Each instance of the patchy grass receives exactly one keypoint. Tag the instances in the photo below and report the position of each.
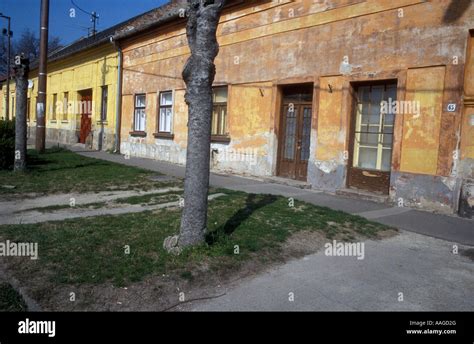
(150, 199)
(52, 208)
(246, 232)
(10, 299)
(144, 200)
(63, 171)
(93, 250)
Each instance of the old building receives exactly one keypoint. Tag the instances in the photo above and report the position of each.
(367, 97)
(81, 93)
(82, 90)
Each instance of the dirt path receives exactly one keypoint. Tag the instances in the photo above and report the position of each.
(22, 204)
(35, 216)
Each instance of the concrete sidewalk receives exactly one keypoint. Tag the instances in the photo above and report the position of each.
(450, 228)
(409, 272)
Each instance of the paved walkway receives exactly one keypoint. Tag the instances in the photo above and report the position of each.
(406, 272)
(35, 216)
(451, 228)
(409, 272)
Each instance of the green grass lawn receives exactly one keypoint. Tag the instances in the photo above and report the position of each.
(62, 171)
(92, 250)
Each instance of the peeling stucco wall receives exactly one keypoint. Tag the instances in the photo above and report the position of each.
(424, 191)
(326, 43)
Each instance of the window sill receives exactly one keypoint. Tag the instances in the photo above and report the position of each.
(53, 121)
(168, 136)
(220, 138)
(65, 121)
(138, 133)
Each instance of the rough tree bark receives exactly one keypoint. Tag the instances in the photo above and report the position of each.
(198, 74)
(21, 76)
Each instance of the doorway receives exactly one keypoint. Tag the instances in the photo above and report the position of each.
(86, 115)
(295, 131)
(372, 137)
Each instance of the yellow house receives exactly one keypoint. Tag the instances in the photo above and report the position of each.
(360, 98)
(82, 91)
(84, 79)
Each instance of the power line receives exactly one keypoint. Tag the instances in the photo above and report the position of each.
(80, 9)
(94, 17)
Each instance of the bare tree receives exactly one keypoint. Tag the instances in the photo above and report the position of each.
(198, 74)
(29, 44)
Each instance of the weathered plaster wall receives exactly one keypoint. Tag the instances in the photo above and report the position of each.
(327, 170)
(250, 128)
(421, 131)
(330, 42)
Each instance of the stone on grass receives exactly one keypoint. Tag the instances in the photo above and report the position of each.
(171, 245)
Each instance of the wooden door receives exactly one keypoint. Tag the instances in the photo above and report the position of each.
(371, 138)
(86, 118)
(295, 139)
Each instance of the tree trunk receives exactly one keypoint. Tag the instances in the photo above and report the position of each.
(21, 76)
(198, 74)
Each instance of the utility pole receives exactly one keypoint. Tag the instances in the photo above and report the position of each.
(9, 34)
(41, 104)
(94, 19)
(22, 67)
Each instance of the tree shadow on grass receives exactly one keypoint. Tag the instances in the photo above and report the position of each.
(252, 203)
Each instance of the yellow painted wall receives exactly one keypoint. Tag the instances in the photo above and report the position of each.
(306, 41)
(331, 124)
(31, 96)
(90, 69)
(467, 133)
(420, 143)
(249, 115)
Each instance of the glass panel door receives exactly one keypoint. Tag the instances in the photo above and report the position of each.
(373, 135)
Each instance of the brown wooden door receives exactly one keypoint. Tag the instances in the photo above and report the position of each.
(86, 120)
(295, 140)
(371, 138)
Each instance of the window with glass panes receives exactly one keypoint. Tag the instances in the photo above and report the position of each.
(139, 118)
(374, 129)
(28, 109)
(165, 112)
(104, 100)
(54, 107)
(65, 105)
(219, 113)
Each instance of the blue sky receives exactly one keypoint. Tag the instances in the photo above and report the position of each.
(25, 14)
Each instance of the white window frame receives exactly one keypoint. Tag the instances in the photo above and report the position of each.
(139, 125)
(159, 129)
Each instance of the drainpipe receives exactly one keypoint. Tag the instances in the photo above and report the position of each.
(118, 100)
